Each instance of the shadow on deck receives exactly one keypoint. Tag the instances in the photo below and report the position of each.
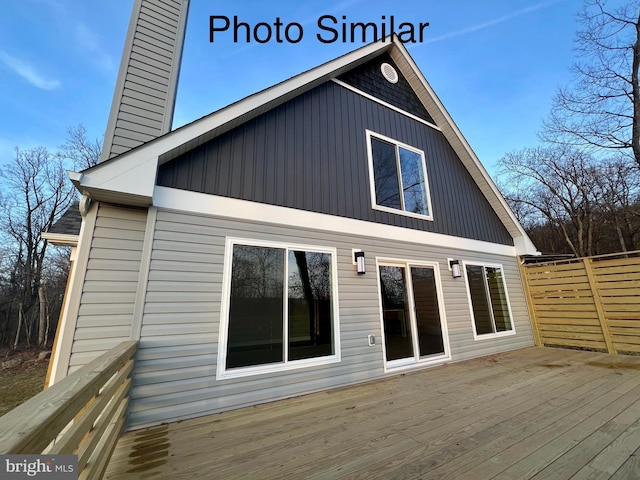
(533, 413)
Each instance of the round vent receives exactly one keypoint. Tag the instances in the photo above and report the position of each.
(389, 73)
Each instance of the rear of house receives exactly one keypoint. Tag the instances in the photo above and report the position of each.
(333, 229)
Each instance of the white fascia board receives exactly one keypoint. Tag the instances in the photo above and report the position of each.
(524, 246)
(224, 207)
(131, 178)
(454, 135)
(60, 239)
(132, 174)
(270, 97)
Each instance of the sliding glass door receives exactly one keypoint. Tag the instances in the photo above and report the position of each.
(411, 314)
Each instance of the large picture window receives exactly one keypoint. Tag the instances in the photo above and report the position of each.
(280, 307)
(489, 301)
(398, 177)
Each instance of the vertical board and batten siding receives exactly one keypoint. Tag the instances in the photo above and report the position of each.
(176, 361)
(310, 153)
(145, 93)
(368, 78)
(111, 282)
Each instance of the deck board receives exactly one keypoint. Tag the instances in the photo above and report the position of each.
(540, 413)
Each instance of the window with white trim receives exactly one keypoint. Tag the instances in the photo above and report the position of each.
(488, 299)
(398, 175)
(280, 307)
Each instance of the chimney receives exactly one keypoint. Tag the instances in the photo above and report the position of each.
(145, 93)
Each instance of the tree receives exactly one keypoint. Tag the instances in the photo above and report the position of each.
(564, 193)
(618, 185)
(601, 108)
(36, 191)
(81, 151)
(553, 185)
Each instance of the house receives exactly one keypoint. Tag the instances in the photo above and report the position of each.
(335, 228)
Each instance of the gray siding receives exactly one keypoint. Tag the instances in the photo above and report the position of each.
(369, 79)
(111, 282)
(143, 103)
(311, 154)
(176, 362)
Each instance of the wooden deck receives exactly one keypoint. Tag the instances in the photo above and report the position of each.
(538, 413)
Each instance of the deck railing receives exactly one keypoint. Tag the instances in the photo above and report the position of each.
(83, 414)
(591, 303)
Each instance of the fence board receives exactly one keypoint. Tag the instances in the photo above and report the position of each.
(586, 303)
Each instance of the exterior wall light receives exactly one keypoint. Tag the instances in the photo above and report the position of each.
(456, 268)
(358, 257)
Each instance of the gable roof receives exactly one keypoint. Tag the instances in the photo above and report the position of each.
(130, 178)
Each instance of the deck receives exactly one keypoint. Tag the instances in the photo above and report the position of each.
(538, 413)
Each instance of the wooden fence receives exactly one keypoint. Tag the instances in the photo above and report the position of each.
(83, 414)
(591, 303)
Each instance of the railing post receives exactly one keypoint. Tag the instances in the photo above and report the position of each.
(598, 304)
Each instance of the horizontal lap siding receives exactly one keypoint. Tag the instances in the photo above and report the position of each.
(176, 362)
(111, 281)
(147, 92)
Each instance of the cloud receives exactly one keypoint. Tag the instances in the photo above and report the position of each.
(491, 23)
(88, 40)
(28, 72)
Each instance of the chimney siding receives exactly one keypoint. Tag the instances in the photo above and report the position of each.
(145, 92)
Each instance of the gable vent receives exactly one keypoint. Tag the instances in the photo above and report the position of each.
(389, 73)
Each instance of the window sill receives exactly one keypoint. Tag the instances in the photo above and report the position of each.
(240, 372)
(489, 336)
(403, 213)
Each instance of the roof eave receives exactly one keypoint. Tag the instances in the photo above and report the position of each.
(60, 239)
(458, 142)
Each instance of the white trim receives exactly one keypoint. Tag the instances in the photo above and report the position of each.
(385, 104)
(415, 361)
(183, 139)
(176, 60)
(143, 275)
(461, 146)
(202, 203)
(372, 182)
(221, 371)
(487, 336)
(62, 239)
(69, 316)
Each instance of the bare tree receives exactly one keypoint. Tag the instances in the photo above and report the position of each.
(81, 151)
(601, 108)
(36, 192)
(618, 185)
(554, 185)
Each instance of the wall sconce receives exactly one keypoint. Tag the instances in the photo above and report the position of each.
(456, 268)
(358, 258)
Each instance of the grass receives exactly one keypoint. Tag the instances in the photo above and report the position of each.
(21, 382)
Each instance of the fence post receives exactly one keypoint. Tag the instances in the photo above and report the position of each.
(596, 300)
(537, 338)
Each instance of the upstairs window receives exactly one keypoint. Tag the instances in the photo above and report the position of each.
(398, 176)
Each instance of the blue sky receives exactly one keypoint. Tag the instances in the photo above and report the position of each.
(495, 64)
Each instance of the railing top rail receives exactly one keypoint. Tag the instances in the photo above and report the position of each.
(30, 427)
(631, 254)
